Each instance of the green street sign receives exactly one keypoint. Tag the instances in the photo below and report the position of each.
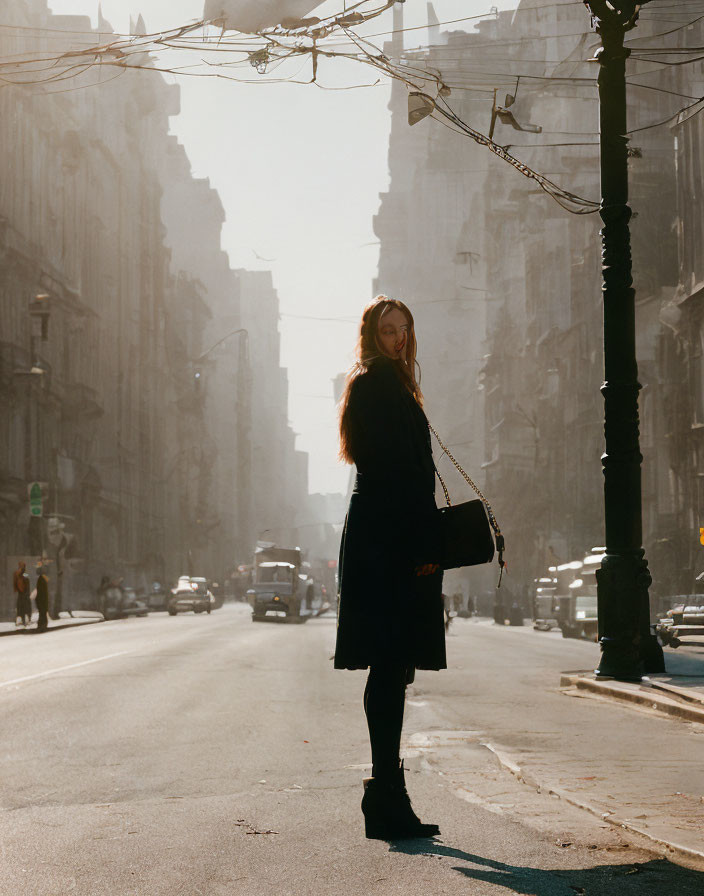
(35, 499)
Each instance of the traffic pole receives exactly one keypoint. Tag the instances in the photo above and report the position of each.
(628, 648)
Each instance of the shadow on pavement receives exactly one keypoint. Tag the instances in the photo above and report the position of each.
(652, 878)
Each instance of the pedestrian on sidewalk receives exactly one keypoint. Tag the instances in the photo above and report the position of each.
(449, 613)
(102, 594)
(20, 585)
(499, 612)
(42, 600)
(390, 617)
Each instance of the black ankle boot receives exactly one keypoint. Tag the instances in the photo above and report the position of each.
(388, 814)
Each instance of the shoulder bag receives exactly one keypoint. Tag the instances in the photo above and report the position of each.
(465, 530)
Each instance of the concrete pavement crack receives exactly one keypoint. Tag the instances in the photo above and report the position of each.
(667, 848)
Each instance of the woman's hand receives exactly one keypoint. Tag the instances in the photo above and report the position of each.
(427, 569)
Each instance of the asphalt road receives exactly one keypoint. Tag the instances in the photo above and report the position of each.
(210, 755)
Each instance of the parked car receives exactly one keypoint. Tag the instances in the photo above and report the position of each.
(120, 601)
(158, 597)
(577, 612)
(567, 597)
(684, 620)
(191, 593)
(578, 616)
(545, 605)
(218, 593)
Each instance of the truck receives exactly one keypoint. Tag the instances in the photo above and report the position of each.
(281, 591)
(565, 597)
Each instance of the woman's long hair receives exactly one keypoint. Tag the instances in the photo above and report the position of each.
(368, 350)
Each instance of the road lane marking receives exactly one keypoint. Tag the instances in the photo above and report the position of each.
(98, 659)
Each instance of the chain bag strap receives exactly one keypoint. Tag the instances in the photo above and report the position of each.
(490, 513)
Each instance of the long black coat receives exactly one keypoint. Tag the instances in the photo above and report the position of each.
(386, 612)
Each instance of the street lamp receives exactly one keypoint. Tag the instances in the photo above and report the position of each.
(420, 105)
(220, 341)
(197, 369)
(198, 379)
(628, 648)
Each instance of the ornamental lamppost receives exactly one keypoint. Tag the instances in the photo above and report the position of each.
(628, 647)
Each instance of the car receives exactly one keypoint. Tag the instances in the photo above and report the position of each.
(191, 593)
(545, 606)
(578, 606)
(566, 597)
(684, 620)
(121, 601)
(158, 597)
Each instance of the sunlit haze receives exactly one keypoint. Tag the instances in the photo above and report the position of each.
(299, 171)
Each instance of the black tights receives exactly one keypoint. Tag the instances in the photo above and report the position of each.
(384, 698)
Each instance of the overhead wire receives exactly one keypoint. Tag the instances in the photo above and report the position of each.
(674, 64)
(670, 118)
(279, 45)
(664, 33)
(541, 145)
(660, 5)
(101, 82)
(568, 200)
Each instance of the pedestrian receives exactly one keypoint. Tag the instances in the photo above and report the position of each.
(390, 617)
(20, 586)
(515, 614)
(470, 606)
(105, 584)
(447, 603)
(42, 600)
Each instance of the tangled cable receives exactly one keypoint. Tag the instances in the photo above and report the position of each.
(233, 55)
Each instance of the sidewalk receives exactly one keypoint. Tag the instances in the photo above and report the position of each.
(78, 617)
(599, 746)
(659, 797)
(675, 694)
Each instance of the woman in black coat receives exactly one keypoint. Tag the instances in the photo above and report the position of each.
(390, 608)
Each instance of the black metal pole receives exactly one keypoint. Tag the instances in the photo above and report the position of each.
(628, 647)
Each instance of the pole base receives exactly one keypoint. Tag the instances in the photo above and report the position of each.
(629, 648)
(620, 659)
(652, 655)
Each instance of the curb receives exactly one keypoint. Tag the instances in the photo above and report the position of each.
(75, 623)
(646, 695)
(667, 848)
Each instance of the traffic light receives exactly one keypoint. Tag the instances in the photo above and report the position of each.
(701, 535)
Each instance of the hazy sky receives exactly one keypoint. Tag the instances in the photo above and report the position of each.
(299, 171)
